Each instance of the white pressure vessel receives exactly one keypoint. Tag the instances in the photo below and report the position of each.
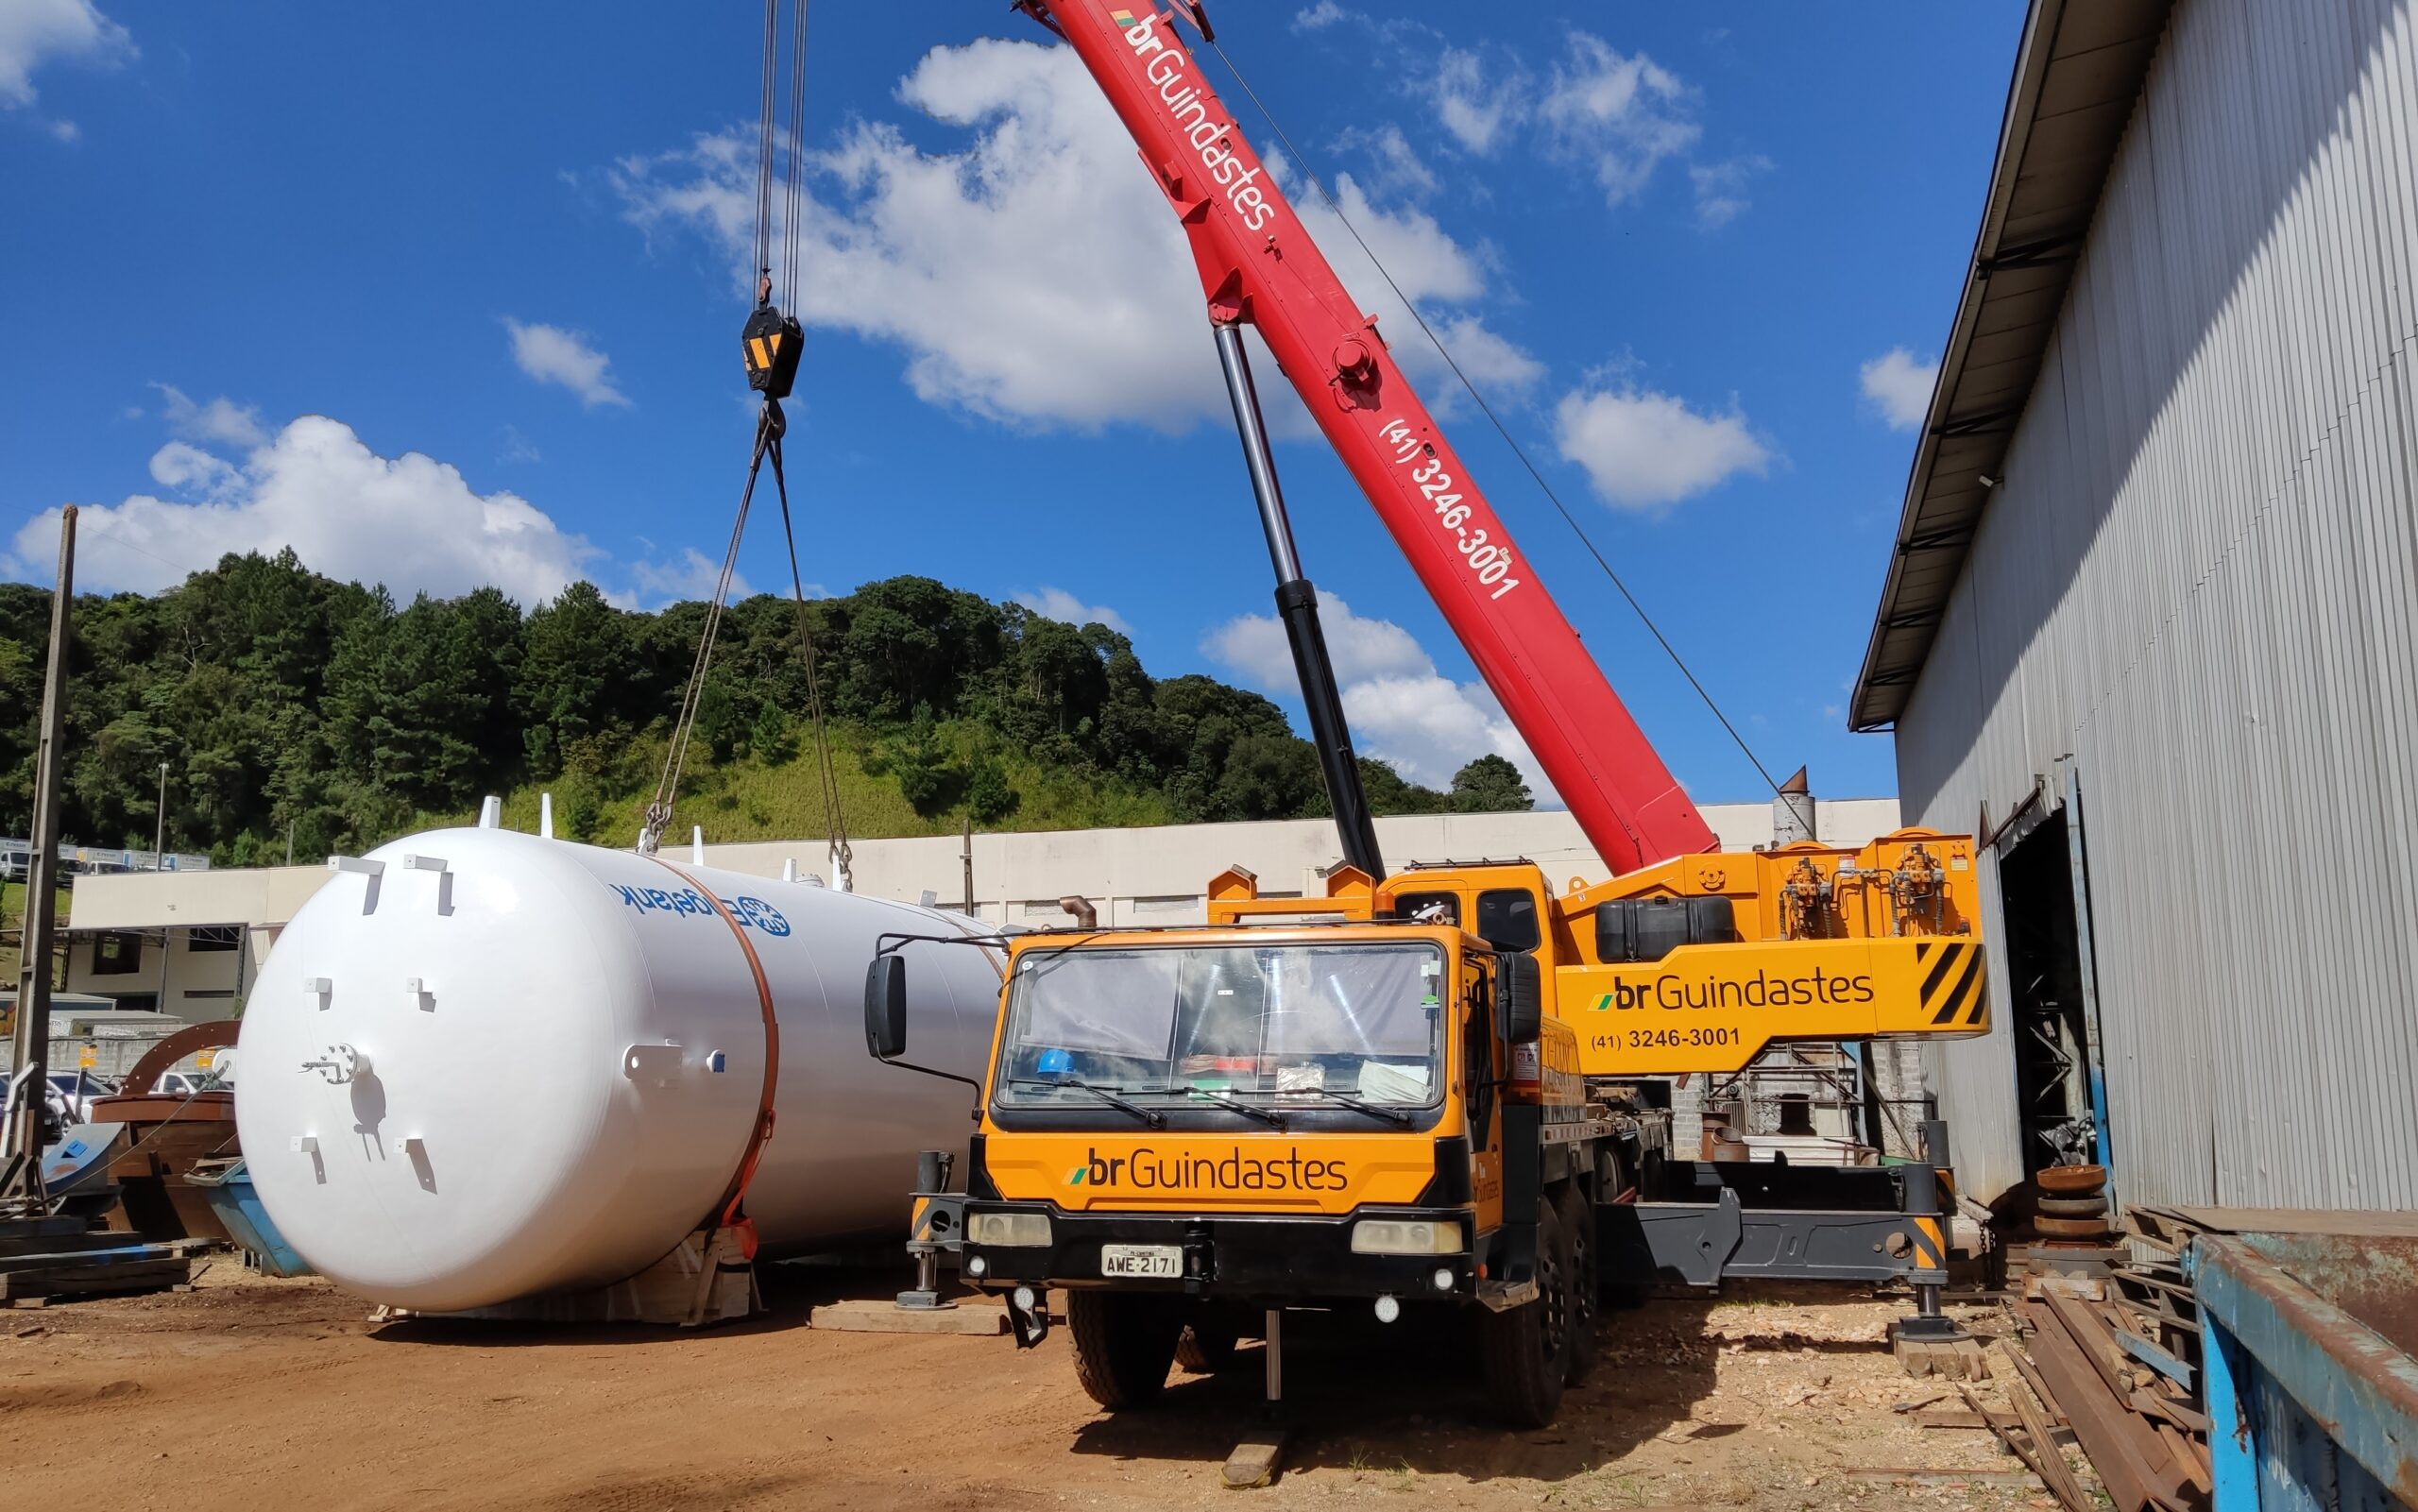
(481, 1065)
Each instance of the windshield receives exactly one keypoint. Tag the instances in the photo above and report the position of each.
(1291, 1021)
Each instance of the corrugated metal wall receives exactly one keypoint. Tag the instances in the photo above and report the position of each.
(2198, 578)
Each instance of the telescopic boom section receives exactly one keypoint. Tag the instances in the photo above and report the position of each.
(1258, 264)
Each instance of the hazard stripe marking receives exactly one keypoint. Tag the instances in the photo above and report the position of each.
(1939, 971)
(1957, 994)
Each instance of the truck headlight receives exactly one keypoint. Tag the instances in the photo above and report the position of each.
(1013, 1231)
(1405, 1236)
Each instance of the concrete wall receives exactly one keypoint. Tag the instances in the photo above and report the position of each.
(2198, 580)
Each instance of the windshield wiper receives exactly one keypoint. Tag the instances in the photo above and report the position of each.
(1393, 1115)
(1273, 1120)
(1149, 1116)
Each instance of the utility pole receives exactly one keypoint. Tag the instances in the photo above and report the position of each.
(21, 1188)
(160, 844)
(966, 855)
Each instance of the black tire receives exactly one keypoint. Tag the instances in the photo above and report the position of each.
(1124, 1344)
(2074, 1207)
(1579, 1238)
(1526, 1349)
(1206, 1346)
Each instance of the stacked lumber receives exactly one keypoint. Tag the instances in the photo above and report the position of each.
(2123, 1373)
(45, 1258)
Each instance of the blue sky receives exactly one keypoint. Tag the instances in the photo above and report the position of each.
(445, 294)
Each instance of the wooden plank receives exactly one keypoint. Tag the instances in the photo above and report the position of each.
(2131, 1461)
(1254, 1460)
(2027, 1451)
(2157, 1405)
(2018, 1478)
(120, 1253)
(2190, 1457)
(2095, 1341)
(93, 1280)
(2155, 1358)
(2172, 1288)
(2053, 1467)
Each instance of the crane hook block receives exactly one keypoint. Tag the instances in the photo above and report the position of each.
(774, 343)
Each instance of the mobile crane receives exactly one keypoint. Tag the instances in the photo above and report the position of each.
(1447, 1085)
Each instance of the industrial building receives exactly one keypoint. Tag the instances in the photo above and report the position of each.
(190, 942)
(2149, 620)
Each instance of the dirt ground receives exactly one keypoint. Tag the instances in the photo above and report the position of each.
(250, 1393)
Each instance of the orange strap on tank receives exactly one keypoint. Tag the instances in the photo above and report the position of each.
(737, 1193)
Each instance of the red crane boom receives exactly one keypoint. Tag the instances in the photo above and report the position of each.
(1258, 264)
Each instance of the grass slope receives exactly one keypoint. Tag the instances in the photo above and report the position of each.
(750, 799)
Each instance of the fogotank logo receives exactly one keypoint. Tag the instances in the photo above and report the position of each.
(1150, 1170)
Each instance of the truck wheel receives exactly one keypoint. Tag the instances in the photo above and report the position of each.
(1207, 1346)
(1578, 1232)
(1123, 1345)
(1526, 1349)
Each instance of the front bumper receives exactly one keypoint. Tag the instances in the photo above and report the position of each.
(1293, 1259)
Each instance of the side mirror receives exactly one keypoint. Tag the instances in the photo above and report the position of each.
(886, 1008)
(1519, 996)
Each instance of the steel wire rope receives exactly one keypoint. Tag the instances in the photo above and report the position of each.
(764, 149)
(1500, 429)
(675, 756)
(835, 821)
(771, 425)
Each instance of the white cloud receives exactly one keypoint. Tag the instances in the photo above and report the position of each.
(1470, 107)
(937, 252)
(410, 523)
(1721, 189)
(1433, 271)
(550, 355)
(64, 131)
(220, 420)
(1644, 450)
(1623, 112)
(190, 469)
(1057, 604)
(1323, 14)
(1400, 170)
(33, 32)
(1255, 645)
(1899, 387)
(1402, 710)
(692, 575)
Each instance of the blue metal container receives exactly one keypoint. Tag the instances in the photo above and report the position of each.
(228, 1184)
(2309, 1341)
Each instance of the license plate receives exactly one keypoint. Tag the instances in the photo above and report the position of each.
(1153, 1261)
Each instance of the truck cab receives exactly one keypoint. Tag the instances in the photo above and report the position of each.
(1186, 1130)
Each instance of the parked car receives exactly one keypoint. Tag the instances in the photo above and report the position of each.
(79, 1089)
(60, 1112)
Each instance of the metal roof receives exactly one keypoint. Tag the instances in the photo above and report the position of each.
(2078, 74)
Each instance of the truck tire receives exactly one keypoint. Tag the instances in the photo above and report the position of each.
(1124, 1344)
(1581, 1237)
(1207, 1346)
(1526, 1350)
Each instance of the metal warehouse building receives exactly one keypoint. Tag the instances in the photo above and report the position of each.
(2149, 622)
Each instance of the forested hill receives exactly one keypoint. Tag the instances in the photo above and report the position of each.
(289, 706)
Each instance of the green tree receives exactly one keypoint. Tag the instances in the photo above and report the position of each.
(575, 651)
(1490, 784)
(990, 797)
